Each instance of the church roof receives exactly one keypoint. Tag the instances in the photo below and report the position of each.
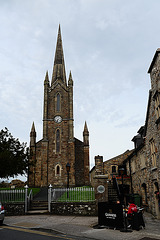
(59, 65)
(154, 59)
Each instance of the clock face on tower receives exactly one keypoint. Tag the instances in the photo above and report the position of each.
(58, 119)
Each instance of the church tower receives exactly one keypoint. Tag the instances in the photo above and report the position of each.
(86, 154)
(57, 148)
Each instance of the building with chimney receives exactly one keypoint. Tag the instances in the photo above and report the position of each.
(143, 165)
(50, 155)
(141, 176)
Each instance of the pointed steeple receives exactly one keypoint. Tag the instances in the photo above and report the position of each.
(59, 65)
(86, 135)
(70, 81)
(85, 128)
(46, 78)
(33, 128)
(32, 135)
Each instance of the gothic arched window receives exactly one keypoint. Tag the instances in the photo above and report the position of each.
(58, 102)
(57, 170)
(58, 141)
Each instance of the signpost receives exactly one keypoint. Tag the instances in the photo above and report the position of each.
(110, 215)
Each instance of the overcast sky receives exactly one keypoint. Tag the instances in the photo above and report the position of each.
(108, 46)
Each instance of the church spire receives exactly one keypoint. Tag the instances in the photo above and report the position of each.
(70, 81)
(59, 65)
(86, 135)
(33, 128)
(85, 127)
(46, 78)
(32, 135)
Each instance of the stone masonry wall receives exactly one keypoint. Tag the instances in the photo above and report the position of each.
(145, 172)
(153, 134)
(14, 209)
(101, 180)
(73, 208)
(86, 165)
(105, 168)
(79, 163)
(116, 161)
(99, 165)
(140, 176)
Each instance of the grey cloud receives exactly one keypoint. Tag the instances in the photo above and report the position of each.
(108, 46)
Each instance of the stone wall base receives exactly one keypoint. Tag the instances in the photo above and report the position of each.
(73, 208)
(14, 209)
(62, 208)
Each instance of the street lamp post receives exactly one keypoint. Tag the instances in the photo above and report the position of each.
(68, 170)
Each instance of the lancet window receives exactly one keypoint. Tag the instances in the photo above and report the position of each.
(58, 139)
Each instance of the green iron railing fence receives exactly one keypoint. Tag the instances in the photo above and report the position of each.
(16, 195)
(77, 194)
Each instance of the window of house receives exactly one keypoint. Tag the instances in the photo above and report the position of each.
(58, 102)
(133, 166)
(144, 193)
(153, 152)
(127, 168)
(156, 192)
(57, 141)
(142, 161)
(113, 169)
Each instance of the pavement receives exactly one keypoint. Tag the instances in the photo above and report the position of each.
(83, 227)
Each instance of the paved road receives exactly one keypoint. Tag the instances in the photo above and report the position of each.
(14, 233)
(82, 227)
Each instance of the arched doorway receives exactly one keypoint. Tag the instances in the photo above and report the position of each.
(157, 199)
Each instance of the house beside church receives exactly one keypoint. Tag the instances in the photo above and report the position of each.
(58, 146)
(142, 164)
(108, 168)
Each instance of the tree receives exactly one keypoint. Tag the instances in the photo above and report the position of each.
(13, 155)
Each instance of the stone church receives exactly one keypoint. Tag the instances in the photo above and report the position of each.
(50, 155)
